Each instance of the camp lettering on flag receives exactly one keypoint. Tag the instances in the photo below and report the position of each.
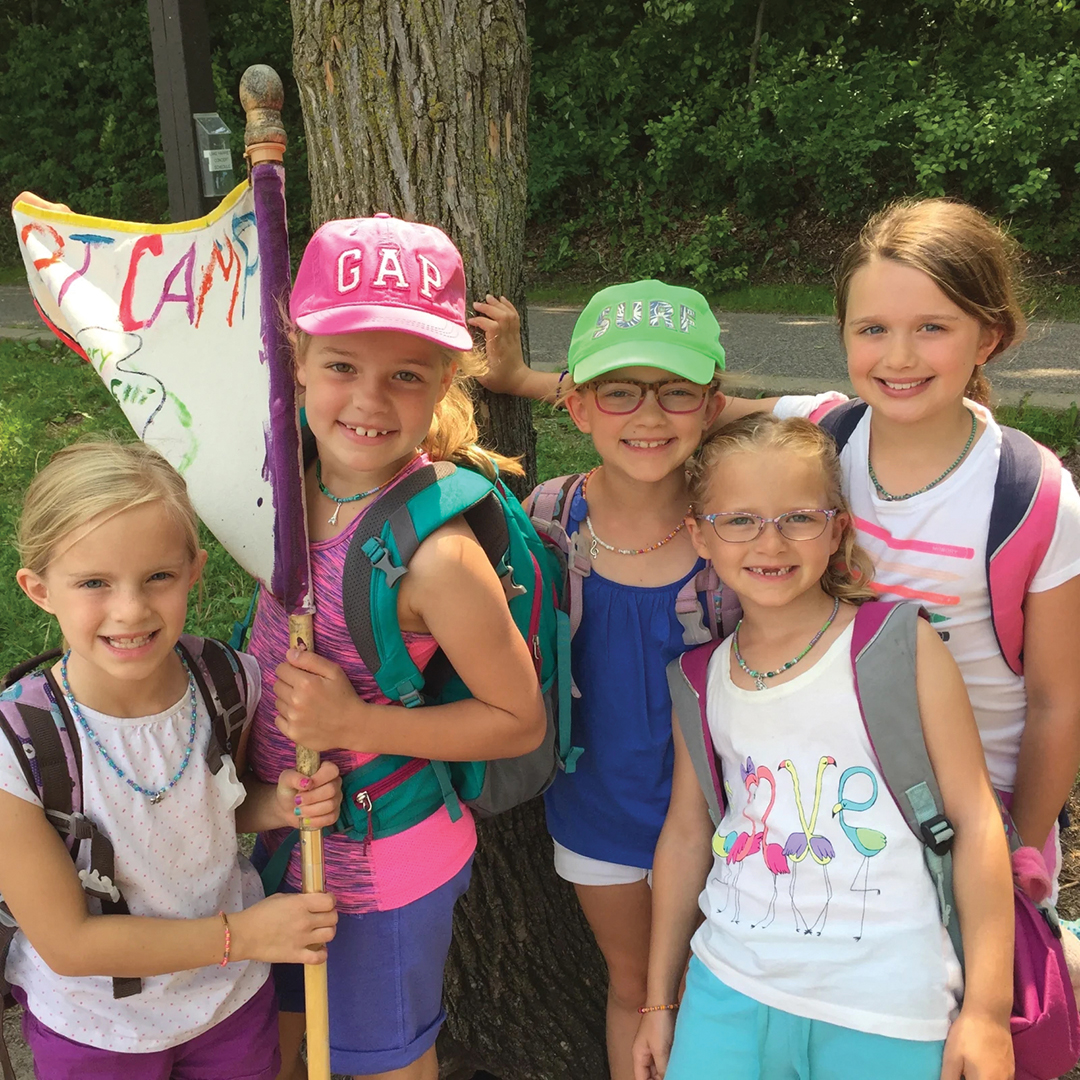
(169, 317)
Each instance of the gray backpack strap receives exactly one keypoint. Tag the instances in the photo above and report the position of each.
(62, 803)
(687, 676)
(883, 649)
(222, 684)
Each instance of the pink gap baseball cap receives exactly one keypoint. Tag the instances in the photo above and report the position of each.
(382, 273)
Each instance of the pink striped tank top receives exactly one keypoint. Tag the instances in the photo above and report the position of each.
(397, 869)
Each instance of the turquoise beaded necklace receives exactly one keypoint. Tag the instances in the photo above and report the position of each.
(883, 494)
(338, 499)
(155, 796)
(759, 677)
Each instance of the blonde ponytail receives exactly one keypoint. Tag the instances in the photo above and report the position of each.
(453, 433)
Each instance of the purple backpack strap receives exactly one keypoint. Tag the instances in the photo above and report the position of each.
(46, 745)
(43, 734)
(687, 677)
(1022, 521)
(549, 509)
(550, 500)
(718, 617)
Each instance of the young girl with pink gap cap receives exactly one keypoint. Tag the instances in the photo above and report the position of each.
(381, 348)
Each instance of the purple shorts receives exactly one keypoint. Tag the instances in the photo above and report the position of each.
(385, 975)
(244, 1046)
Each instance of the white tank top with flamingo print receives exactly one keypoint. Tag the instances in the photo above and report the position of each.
(818, 901)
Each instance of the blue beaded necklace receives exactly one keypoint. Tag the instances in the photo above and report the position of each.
(154, 796)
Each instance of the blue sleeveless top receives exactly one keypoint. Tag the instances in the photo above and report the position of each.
(612, 808)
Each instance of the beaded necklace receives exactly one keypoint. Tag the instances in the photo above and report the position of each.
(882, 493)
(155, 796)
(341, 502)
(759, 677)
(597, 543)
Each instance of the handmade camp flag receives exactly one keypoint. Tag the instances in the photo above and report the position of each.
(170, 318)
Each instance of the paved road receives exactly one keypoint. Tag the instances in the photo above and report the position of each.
(797, 353)
(802, 353)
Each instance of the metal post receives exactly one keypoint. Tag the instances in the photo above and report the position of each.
(180, 39)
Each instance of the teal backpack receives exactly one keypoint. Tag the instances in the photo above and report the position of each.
(392, 793)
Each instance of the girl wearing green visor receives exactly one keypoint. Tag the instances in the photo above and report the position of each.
(643, 383)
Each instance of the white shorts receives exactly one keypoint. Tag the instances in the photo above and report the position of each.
(581, 870)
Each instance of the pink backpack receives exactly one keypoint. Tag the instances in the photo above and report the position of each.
(1022, 519)
(1045, 1025)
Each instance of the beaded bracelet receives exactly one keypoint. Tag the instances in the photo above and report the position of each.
(655, 1008)
(228, 940)
(558, 386)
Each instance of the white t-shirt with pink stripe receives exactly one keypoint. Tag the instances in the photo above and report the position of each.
(932, 548)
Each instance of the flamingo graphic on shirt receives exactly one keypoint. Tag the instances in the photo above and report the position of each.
(746, 844)
(808, 842)
(867, 842)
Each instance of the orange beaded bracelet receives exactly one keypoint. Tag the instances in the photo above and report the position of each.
(228, 940)
(655, 1008)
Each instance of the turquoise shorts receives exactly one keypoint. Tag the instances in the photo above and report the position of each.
(724, 1034)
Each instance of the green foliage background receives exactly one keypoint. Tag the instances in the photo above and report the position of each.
(653, 150)
(78, 107)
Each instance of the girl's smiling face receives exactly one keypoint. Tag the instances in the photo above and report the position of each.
(649, 443)
(911, 351)
(369, 399)
(118, 587)
(770, 570)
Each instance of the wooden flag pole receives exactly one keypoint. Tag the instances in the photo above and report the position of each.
(262, 96)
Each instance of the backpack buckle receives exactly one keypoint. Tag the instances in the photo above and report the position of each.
(510, 587)
(99, 885)
(75, 825)
(937, 834)
(239, 710)
(375, 547)
(408, 695)
(579, 560)
(688, 612)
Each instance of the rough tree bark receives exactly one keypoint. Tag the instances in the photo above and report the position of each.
(418, 107)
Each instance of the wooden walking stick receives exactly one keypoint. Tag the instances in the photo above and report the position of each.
(182, 322)
(262, 96)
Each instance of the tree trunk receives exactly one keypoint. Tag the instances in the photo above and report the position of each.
(756, 46)
(525, 984)
(418, 107)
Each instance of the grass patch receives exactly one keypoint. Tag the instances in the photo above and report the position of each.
(1057, 428)
(48, 399)
(778, 299)
(15, 274)
(560, 448)
(1053, 301)
(563, 294)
